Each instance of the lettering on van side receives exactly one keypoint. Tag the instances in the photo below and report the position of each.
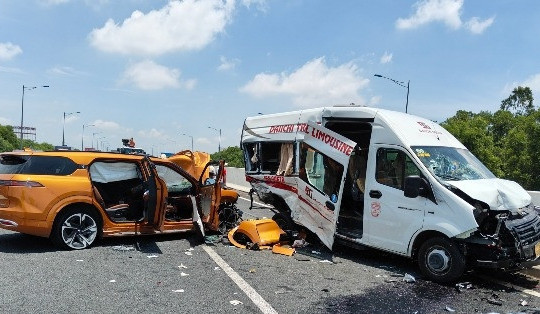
(286, 128)
(279, 179)
(426, 128)
(332, 141)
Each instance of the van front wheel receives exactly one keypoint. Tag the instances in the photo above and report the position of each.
(440, 260)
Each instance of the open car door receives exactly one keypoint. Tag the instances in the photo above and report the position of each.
(154, 195)
(324, 158)
(210, 195)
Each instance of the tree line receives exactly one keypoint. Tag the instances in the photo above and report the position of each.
(10, 142)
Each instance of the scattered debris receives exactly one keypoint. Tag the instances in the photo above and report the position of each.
(326, 261)
(463, 286)
(523, 303)
(213, 239)
(188, 253)
(300, 243)
(235, 302)
(182, 266)
(252, 270)
(449, 309)
(284, 289)
(182, 274)
(217, 268)
(409, 278)
(316, 252)
(279, 249)
(390, 280)
(152, 256)
(495, 300)
(178, 291)
(79, 260)
(325, 290)
(112, 280)
(123, 248)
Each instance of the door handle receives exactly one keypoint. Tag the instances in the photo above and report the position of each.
(330, 205)
(375, 194)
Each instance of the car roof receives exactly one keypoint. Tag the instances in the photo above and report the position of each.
(80, 157)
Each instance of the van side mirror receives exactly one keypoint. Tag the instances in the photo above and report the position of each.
(415, 186)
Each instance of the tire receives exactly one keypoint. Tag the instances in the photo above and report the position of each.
(284, 221)
(440, 260)
(76, 229)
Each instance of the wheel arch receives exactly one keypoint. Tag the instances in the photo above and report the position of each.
(421, 238)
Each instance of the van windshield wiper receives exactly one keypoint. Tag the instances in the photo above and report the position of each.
(448, 177)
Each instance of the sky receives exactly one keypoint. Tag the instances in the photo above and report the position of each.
(169, 72)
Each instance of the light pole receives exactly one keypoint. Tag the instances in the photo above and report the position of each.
(22, 107)
(100, 141)
(191, 140)
(64, 125)
(218, 130)
(400, 84)
(82, 137)
(94, 134)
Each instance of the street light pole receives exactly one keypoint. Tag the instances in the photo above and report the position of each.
(191, 140)
(400, 84)
(219, 144)
(82, 136)
(64, 126)
(94, 134)
(22, 107)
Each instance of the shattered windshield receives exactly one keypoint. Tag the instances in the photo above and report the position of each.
(452, 164)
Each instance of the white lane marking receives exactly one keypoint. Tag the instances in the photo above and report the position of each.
(260, 204)
(509, 285)
(264, 306)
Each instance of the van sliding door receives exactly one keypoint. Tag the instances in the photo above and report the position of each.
(324, 157)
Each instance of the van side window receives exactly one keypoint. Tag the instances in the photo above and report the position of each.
(320, 171)
(393, 166)
(251, 156)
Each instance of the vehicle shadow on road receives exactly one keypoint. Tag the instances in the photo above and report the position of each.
(19, 243)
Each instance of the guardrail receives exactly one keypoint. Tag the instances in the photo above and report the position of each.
(236, 179)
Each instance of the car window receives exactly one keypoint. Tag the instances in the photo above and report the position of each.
(175, 181)
(320, 171)
(38, 165)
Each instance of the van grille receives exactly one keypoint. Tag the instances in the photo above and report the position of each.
(529, 231)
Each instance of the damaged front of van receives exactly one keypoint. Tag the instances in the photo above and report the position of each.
(508, 232)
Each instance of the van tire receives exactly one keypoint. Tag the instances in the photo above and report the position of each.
(76, 228)
(284, 221)
(440, 260)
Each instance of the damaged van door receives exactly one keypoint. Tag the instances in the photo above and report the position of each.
(320, 181)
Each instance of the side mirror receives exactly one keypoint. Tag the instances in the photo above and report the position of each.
(415, 186)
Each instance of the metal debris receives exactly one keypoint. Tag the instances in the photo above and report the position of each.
(449, 309)
(463, 286)
(178, 291)
(409, 278)
(235, 302)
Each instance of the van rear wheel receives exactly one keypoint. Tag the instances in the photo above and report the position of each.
(76, 229)
(440, 260)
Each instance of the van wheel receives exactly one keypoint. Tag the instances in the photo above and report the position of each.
(440, 260)
(284, 221)
(76, 229)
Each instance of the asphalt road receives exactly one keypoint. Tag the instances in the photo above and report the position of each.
(154, 274)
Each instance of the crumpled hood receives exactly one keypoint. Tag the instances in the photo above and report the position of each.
(499, 194)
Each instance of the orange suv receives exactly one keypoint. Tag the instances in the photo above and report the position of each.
(75, 198)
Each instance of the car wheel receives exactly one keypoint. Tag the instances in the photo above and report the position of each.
(76, 229)
(440, 260)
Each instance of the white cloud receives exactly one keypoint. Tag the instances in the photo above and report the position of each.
(533, 82)
(444, 11)
(148, 75)
(203, 140)
(476, 26)
(261, 5)
(106, 125)
(386, 58)
(152, 133)
(178, 26)
(374, 101)
(10, 70)
(9, 50)
(227, 64)
(313, 84)
(64, 71)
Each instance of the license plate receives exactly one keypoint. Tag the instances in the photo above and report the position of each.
(537, 249)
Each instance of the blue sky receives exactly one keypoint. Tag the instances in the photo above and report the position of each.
(154, 70)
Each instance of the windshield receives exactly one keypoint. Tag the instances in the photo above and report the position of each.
(452, 164)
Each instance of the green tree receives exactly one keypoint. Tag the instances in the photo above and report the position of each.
(232, 155)
(8, 139)
(520, 101)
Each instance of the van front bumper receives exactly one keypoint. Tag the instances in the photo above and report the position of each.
(505, 258)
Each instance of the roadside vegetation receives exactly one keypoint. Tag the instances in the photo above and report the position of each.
(9, 141)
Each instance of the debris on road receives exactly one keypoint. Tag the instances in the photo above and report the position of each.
(123, 248)
(178, 291)
(152, 256)
(523, 303)
(235, 302)
(182, 266)
(182, 274)
(495, 300)
(449, 309)
(463, 286)
(409, 278)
